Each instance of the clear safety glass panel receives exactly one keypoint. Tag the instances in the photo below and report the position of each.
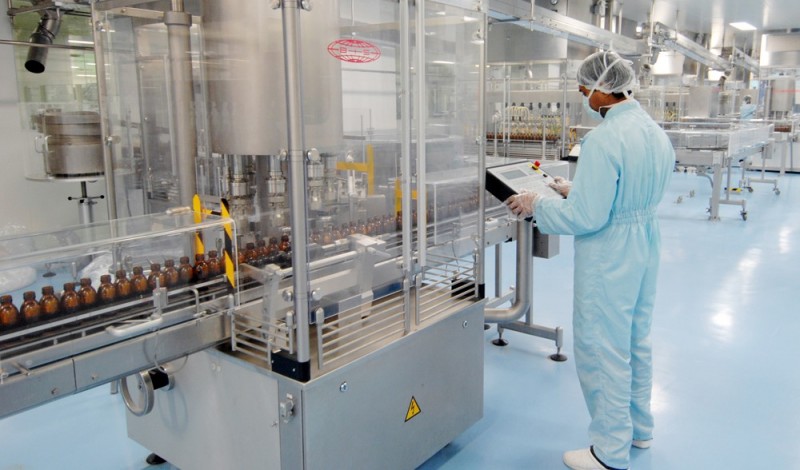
(529, 112)
(146, 114)
(58, 94)
(134, 255)
(652, 100)
(453, 48)
(448, 172)
(351, 88)
(675, 103)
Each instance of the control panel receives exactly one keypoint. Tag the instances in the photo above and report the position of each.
(504, 181)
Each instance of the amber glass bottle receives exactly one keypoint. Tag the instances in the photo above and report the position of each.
(106, 292)
(138, 281)
(201, 270)
(171, 273)
(185, 271)
(87, 294)
(285, 244)
(49, 303)
(261, 254)
(70, 302)
(251, 254)
(241, 255)
(273, 246)
(327, 236)
(156, 278)
(9, 315)
(123, 285)
(30, 310)
(215, 264)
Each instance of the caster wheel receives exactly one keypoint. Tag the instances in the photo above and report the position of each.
(750, 189)
(680, 200)
(744, 215)
(777, 192)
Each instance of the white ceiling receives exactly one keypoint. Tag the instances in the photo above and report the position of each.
(708, 16)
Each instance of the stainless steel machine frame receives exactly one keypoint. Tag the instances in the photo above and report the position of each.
(714, 147)
(349, 318)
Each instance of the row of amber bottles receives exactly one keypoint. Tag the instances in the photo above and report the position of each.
(262, 252)
(74, 299)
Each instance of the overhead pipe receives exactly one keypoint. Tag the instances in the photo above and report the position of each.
(45, 33)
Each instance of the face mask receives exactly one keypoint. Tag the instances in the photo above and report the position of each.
(589, 111)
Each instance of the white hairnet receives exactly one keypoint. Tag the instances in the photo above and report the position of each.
(607, 72)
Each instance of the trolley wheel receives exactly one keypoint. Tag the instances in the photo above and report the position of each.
(744, 215)
(750, 189)
(777, 191)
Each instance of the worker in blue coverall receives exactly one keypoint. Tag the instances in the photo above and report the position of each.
(748, 110)
(624, 167)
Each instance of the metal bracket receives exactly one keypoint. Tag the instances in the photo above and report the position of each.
(286, 408)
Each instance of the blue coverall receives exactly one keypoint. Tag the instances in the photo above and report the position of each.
(623, 170)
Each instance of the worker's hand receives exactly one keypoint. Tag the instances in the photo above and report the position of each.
(523, 204)
(561, 185)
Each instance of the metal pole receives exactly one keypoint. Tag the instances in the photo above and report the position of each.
(422, 122)
(564, 117)
(105, 125)
(85, 204)
(480, 268)
(297, 172)
(178, 23)
(49, 46)
(405, 157)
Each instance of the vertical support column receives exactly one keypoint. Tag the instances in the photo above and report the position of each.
(102, 101)
(178, 23)
(405, 158)
(480, 275)
(564, 116)
(422, 123)
(297, 173)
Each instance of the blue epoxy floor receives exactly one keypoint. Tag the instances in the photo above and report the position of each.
(726, 394)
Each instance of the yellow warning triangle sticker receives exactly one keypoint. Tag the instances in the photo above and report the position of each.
(413, 409)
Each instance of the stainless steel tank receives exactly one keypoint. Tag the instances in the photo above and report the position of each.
(782, 95)
(243, 46)
(74, 144)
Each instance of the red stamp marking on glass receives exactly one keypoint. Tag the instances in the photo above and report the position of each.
(354, 50)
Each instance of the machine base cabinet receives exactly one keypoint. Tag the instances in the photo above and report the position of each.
(393, 408)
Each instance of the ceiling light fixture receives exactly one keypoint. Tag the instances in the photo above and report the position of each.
(743, 26)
